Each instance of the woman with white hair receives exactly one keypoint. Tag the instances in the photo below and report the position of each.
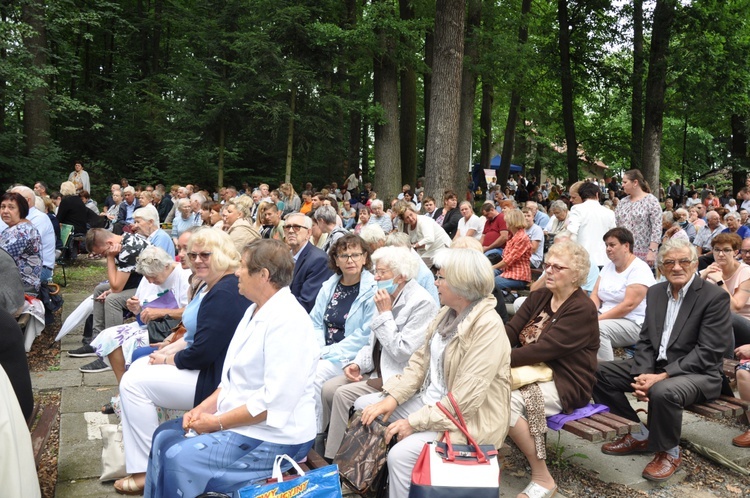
(146, 223)
(427, 237)
(559, 219)
(465, 354)
(403, 311)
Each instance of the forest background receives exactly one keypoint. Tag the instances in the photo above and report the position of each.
(222, 92)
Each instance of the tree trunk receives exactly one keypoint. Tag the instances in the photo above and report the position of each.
(485, 122)
(509, 139)
(636, 107)
(468, 90)
(365, 147)
(429, 44)
(387, 139)
(222, 141)
(290, 136)
(445, 103)
(739, 152)
(656, 87)
(566, 80)
(408, 125)
(355, 128)
(36, 124)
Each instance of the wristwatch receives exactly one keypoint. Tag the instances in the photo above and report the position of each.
(719, 283)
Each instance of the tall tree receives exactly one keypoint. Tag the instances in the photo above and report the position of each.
(36, 123)
(408, 124)
(656, 87)
(566, 84)
(441, 154)
(469, 77)
(636, 107)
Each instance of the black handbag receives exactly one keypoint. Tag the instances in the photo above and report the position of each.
(362, 455)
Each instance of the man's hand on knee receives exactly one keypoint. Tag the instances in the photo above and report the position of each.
(643, 383)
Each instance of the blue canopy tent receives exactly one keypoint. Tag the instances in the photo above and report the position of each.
(477, 171)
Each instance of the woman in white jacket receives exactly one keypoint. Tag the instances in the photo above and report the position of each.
(404, 309)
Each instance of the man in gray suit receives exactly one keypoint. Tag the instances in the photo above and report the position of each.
(677, 363)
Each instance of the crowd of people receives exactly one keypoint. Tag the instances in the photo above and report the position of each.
(266, 315)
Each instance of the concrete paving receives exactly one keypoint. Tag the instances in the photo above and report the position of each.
(79, 462)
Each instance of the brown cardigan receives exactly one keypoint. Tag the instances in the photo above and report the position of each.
(568, 344)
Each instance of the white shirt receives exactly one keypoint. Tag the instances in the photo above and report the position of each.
(612, 287)
(474, 222)
(588, 222)
(177, 282)
(673, 309)
(270, 366)
(536, 233)
(43, 225)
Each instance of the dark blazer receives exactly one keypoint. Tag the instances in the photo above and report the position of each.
(164, 207)
(13, 360)
(450, 222)
(73, 211)
(701, 334)
(220, 311)
(310, 271)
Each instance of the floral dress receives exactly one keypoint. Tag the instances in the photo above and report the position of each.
(337, 311)
(23, 242)
(643, 219)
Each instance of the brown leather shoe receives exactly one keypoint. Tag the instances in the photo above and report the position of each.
(743, 440)
(662, 467)
(626, 445)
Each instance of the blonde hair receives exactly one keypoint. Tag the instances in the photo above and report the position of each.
(575, 256)
(467, 272)
(67, 188)
(224, 255)
(514, 218)
(466, 243)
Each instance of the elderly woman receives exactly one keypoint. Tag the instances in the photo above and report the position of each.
(733, 276)
(363, 220)
(681, 218)
(263, 406)
(640, 213)
(620, 294)
(21, 240)
(146, 224)
(559, 219)
(182, 379)
(426, 236)
(146, 200)
(694, 218)
(514, 271)
(555, 325)
(732, 221)
(162, 274)
(72, 210)
(184, 219)
(404, 309)
(236, 218)
(465, 353)
(342, 312)
(469, 225)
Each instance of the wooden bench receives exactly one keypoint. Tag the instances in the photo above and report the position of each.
(601, 427)
(40, 423)
(313, 461)
(724, 407)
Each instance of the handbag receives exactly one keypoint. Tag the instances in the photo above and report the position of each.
(450, 470)
(319, 483)
(528, 374)
(362, 455)
(113, 453)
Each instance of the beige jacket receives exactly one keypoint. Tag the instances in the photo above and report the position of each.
(242, 233)
(477, 372)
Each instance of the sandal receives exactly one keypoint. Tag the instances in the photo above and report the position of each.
(128, 487)
(534, 490)
(108, 409)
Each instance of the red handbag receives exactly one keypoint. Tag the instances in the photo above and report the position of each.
(450, 470)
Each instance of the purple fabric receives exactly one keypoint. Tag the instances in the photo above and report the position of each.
(556, 422)
(165, 300)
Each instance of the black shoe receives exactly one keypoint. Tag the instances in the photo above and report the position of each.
(95, 366)
(82, 352)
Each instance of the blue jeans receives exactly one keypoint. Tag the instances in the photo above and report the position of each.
(221, 461)
(509, 283)
(497, 251)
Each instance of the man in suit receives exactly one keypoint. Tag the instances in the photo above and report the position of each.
(310, 263)
(677, 362)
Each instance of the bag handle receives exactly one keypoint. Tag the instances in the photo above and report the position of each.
(462, 426)
(277, 475)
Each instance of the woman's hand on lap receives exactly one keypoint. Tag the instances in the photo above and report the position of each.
(400, 429)
(384, 408)
(352, 373)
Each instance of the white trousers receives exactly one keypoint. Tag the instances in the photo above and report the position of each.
(552, 403)
(616, 333)
(142, 389)
(326, 371)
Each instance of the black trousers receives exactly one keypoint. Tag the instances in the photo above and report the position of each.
(667, 400)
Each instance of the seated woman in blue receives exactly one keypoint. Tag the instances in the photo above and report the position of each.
(343, 311)
(264, 405)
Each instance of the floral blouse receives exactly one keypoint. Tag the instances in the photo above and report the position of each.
(337, 311)
(643, 219)
(24, 244)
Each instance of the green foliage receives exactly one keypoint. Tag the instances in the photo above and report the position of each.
(557, 457)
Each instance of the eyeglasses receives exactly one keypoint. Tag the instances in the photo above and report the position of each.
(552, 269)
(294, 228)
(728, 250)
(203, 255)
(355, 256)
(670, 263)
(744, 251)
(383, 273)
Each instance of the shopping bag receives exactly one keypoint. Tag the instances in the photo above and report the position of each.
(445, 470)
(318, 483)
(362, 454)
(77, 317)
(113, 453)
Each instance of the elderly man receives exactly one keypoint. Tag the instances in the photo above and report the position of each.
(163, 204)
(677, 362)
(589, 221)
(40, 189)
(380, 217)
(310, 263)
(745, 251)
(196, 202)
(181, 193)
(146, 224)
(256, 197)
(495, 232)
(706, 234)
(127, 208)
(540, 218)
(43, 225)
(325, 217)
(110, 297)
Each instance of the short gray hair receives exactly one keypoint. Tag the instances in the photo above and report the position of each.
(467, 272)
(732, 214)
(372, 233)
(152, 261)
(127, 190)
(558, 206)
(243, 204)
(398, 260)
(376, 203)
(198, 197)
(575, 256)
(306, 220)
(674, 244)
(326, 214)
(147, 215)
(398, 239)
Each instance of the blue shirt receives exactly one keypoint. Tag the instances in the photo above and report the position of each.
(541, 219)
(160, 238)
(743, 231)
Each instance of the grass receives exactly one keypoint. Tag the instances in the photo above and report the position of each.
(83, 274)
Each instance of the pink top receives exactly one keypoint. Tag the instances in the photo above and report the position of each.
(733, 283)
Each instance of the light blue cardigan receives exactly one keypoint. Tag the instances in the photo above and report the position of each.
(357, 326)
